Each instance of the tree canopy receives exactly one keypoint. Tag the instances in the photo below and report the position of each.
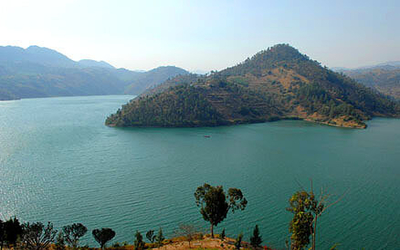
(215, 204)
(102, 236)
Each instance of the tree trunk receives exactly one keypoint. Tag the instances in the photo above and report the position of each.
(314, 239)
(212, 230)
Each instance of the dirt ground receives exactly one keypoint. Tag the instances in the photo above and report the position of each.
(206, 243)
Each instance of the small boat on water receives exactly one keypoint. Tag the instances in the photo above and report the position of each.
(207, 136)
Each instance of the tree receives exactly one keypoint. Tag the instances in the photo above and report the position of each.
(307, 209)
(256, 239)
(301, 224)
(60, 242)
(215, 205)
(238, 242)
(2, 234)
(139, 244)
(160, 237)
(150, 236)
(102, 236)
(318, 207)
(73, 233)
(12, 231)
(38, 237)
(222, 235)
(188, 231)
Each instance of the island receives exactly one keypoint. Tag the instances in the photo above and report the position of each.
(276, 83)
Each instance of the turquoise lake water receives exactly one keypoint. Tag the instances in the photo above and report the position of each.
(59, 163)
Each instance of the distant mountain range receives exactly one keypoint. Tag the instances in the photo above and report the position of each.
(42, 72)
(384, 77)
(277, 83)
(385, 65)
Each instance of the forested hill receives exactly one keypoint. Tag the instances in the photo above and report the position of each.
(42, 72)
(277, 83)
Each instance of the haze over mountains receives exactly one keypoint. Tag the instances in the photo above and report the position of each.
(278, 83)
(42, 72)
(384, 77)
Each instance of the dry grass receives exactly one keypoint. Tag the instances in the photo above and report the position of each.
(204, 244)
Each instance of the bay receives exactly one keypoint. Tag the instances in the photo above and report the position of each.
(59, 163)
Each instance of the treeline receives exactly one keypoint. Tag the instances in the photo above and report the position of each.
(186, 107)
(273, 57)
(172, 82)
(316, 99)
(39, 236)
(214, 204)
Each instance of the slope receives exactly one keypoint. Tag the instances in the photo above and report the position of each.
(277, 83)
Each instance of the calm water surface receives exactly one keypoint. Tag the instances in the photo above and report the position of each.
(59, 163)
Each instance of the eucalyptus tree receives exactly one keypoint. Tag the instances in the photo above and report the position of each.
(102, 236)
(73, 233)
(306, 209)
(301, 225)
(215, 204)
(36, 236)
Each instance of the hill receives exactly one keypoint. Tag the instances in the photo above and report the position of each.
(35, 55)
(277, 83)
(42, 72)
(93, 63)
(385, 79)
(153, 77)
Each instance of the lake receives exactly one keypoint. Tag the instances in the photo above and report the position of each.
(59, 163)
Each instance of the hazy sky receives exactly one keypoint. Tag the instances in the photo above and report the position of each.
(204, 35)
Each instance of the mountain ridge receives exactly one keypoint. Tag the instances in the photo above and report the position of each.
(42, 72)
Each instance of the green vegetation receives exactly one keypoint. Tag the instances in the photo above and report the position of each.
(138, 243)
(72, 234)
(222, 235)
(150, 236)
(10, 231)
(60, 242)
(38, 237)
(214, 205)
(238, 242)
(255, 239)
(306, 209)
(160, 237)
(102, 236)
(301, 224)
(278, 83)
